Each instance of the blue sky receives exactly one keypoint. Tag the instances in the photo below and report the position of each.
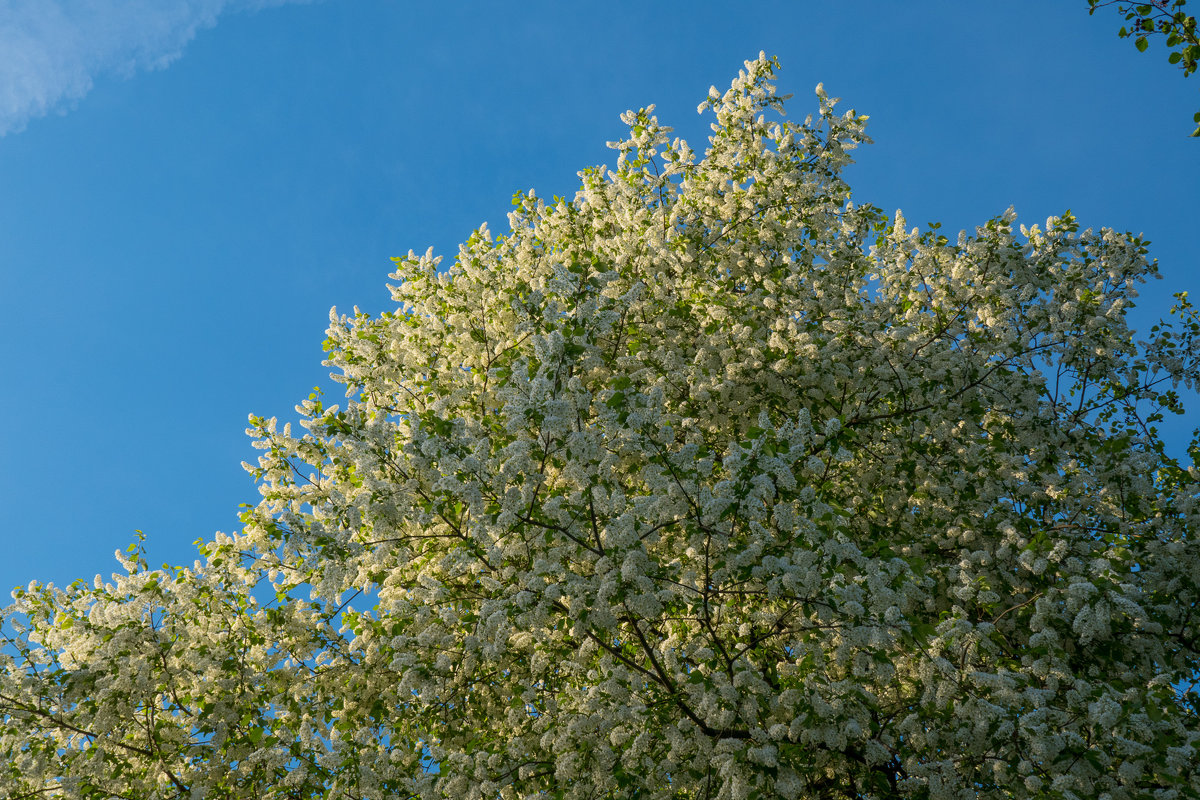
(187, 186)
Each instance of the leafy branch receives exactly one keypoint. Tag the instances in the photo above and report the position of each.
(1165, 17)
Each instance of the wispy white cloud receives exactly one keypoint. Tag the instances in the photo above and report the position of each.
(50, 50)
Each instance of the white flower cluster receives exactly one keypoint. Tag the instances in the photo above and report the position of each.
(706, 483)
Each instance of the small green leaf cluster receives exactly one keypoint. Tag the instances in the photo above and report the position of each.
(1165, 17)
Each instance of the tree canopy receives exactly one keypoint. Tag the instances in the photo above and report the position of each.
(709, 482)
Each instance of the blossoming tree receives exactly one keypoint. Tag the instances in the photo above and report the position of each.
(708, 483)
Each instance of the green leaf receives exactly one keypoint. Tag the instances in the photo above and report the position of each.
(923, 631)
(1141, 44)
